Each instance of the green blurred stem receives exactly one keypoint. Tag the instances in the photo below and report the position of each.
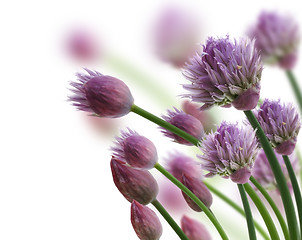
(169, 219)
(279, 176)
(263, 211)
(183, 188)
(296, 188)
(165, 124)
(296, 88)
(237, 208)
(273, 206)
(248, 213)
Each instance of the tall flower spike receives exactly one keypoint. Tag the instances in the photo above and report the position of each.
(145, 222)
(277, 37)
(281, 124)
(194, 229)
(103, 95)
(134, 184)
(225, 74)
(185, 122)
(138, 151)
(230, 152)
(263, 173)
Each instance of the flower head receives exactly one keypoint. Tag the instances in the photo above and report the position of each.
(230, 152)
(277, 37)
(185, 122)
(145, 222)
(134, 184)
(225, 74)
(263, 173)
(280, 123)
(194, 229)
(103, 95)
(138, 151)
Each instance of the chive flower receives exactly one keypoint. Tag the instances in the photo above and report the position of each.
(145, 222)
(280, 123)
(136, 150)
(134, 184)
(226, 73)
(102, 95)
(277, 37)
(194, 229)
(185, 122)
(229, 152)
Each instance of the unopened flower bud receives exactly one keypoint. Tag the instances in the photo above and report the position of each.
(134, 184)
(145, 222)
(199, 189)
(185, 122)
(194, 229)
(138, 151)
(103, 95)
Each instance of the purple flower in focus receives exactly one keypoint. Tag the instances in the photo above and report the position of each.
(225, 74)
(263, 173)
(134, 184)
(145, 222)
(103, 95)
(194, 229)
(185, 122)
(281, 124)
(175, 34)
(230, 152)
(138, 151)
(277, 37)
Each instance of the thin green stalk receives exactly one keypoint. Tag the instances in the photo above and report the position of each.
(263, 211)
(273, 206)
(295, 86)
(209, 214)
(165, 124)
(237, 208)
(169, 219)
(296, 188)
(248, 213)
(279, 176)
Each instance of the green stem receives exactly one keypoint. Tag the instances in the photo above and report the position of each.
(296, 188)
(169, 219)
(279, 176)
(295, 87)
(165, 124)
(263, 211)
(273, 206)
(248, 213)
(209, 214)
(237, 208)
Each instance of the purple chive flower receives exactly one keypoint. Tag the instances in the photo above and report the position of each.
(145, 222)
(134, 184)
(194, 229)
(281, 124)
(225, 74)
(185, 122)
(138, 151)
(179, 164)
(200, 190)
(263, 173)
(277, 37)
(175, 33)
(103, 95)
(230, 152)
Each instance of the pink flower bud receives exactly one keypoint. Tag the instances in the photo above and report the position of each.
(138, 151)
(199, 189)
(194, 229)
(134, 184)
(145, 222)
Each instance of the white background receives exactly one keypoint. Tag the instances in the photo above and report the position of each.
(55, 179)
